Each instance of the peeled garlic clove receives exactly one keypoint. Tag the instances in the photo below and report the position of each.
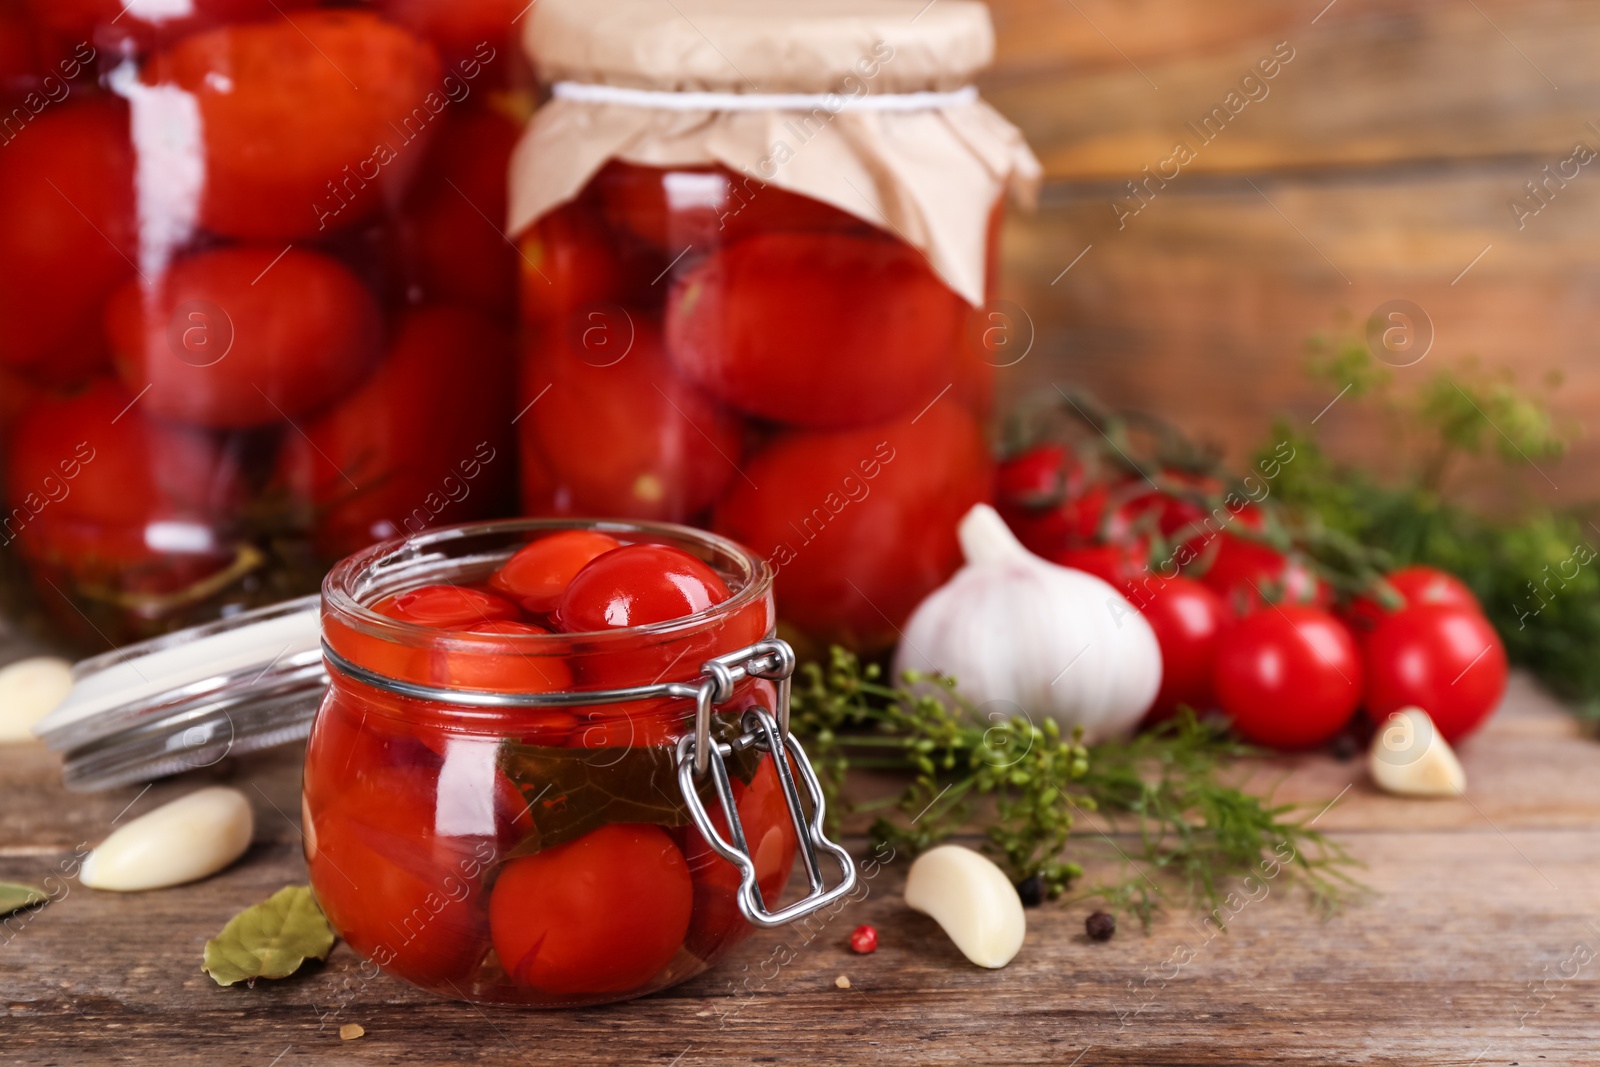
(188, 839)
(29, 690)
(1411, 758)
(972, 900)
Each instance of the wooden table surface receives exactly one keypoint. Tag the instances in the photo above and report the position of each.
(1480, 945)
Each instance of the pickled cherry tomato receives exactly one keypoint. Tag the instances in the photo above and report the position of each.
(445, 607)
(455, 212)
(637, 585)
(239, 337)
(310, 123)
(769, 833)
(539, 573)
(825, 330)
(495, 670)
(625, 435)
(94, 457)
(601, 914)
(116, 24)
(699, 208)
(368, 469)
(570, 262)
(69, 237)
(460, 27)
(860, 524)
(398, 891)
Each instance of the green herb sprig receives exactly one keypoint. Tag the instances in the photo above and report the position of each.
(1196, 829)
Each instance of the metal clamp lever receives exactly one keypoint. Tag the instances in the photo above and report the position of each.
(761, 731)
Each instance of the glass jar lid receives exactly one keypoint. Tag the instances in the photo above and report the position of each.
(188, 699)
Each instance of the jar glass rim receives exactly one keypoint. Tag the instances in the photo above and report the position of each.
(345, 589)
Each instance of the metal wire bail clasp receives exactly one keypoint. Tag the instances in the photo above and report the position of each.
(698, 753)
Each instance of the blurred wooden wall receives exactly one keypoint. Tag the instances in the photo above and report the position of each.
(1379, 165)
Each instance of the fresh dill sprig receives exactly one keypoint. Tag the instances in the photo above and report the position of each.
(1196, 830)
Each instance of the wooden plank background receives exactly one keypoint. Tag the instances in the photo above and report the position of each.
(1379, 165)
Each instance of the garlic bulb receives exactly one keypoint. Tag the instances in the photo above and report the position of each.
(1020, 633)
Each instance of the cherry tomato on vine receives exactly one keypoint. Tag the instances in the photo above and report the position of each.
(1248, 575)
(602, 914)
(1444, 658)
(1414, 585)
(816, 329)
(1117, 563)
(637, 585)
(1188, 620)
(1289, 676)
(244, 335)
(308, 122)
(1040, 477)
(539, 573)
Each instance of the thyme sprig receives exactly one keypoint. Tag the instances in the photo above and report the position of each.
(1026, 783)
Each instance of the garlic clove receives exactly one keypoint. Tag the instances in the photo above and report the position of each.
(1410, 757)
(972, 900)
(188, 839)
(29, 690)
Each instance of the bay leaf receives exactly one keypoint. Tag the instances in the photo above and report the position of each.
(571, 792)
(14, 897)
(269, 940)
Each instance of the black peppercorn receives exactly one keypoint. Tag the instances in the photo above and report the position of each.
(1345, 748)
(1100, 926)
(1031, 890)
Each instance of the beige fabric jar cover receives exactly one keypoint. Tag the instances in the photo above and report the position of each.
(833, 102)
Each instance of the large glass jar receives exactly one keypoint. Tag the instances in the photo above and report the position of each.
(255, 302)
(519, 817)
(764, 315)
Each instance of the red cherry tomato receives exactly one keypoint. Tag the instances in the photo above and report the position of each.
(446, 607)
(398, 891)
(540, 572)
(1444, 658)
(637, 585)
(500, 668)
(1041, 477)
(1117, 564)
(1071, 523)
(602, 914)
(1188, 620)
(569, 262)
(479, 28)
(311, 122)
(701, 208)
(1414, 585)
(769, 833)
(95, 456)
(861, 524)
(368, 470)
(626, 437)
(120, 25)
(1289, 676)
(824, 330)
(455, 213)
(69, 238)
(230, 338)
(1248, 575)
